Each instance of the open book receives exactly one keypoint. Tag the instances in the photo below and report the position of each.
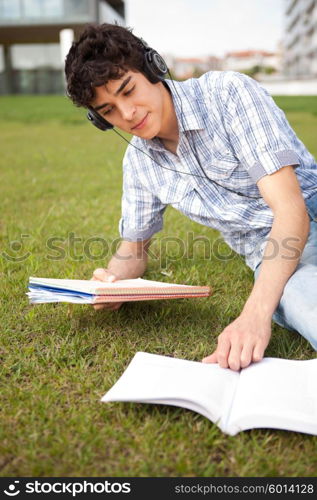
(93, 292)
(273, 393)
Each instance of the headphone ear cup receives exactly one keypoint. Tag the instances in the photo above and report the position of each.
(98, 121)
(155, 65)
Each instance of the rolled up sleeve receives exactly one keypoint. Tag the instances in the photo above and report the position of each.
(258, 130)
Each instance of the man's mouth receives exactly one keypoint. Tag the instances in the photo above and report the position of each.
(141, 124)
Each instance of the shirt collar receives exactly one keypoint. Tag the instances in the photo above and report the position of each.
(187, 109)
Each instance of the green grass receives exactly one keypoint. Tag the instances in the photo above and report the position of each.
(59, 177)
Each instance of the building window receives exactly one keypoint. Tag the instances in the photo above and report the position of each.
(43, 8)
(75, 7)
(10, 9)
(53, 8)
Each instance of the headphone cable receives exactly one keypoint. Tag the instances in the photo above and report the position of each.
(195, 154)
(194, 151)
(153, 159)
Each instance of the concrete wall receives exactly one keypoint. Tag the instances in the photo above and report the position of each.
(291, 87)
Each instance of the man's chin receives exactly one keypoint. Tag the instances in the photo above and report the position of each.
(148, 136)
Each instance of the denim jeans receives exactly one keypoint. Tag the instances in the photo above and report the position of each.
(297, 309)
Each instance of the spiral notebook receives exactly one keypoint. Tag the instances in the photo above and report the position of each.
(44, 290)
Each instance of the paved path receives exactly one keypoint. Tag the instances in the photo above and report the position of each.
(291, 87)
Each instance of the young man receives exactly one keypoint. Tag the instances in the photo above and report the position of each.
(219, 150)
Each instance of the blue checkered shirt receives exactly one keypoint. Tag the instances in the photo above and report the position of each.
(234, 128)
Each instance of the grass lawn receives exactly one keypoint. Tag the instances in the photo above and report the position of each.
(61, 180)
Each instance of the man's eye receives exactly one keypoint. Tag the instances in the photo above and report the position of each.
(129, 91)
(107, 111)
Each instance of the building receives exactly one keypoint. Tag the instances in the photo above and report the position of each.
(31, 59)
(184, 68)
(248, 59)
(300, 39)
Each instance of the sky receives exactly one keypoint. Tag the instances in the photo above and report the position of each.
(189, 28)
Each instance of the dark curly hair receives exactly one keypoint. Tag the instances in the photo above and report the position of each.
(103, 52)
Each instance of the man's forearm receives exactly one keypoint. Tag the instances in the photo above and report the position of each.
(130, 260)
(281, 256)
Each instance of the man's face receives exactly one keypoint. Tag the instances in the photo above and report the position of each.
(132, 104)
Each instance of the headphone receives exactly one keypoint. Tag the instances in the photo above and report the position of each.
(154, 69)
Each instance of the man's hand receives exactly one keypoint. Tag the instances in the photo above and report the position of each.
(246, 338)
(129, 262)
(241, 342)
(105, 275)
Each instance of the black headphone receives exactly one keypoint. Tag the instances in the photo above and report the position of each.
(154, 69)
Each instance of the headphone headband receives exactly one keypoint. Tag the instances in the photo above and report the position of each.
(155, 70)
(154, 65)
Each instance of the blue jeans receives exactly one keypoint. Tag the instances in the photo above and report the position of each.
(297, 309)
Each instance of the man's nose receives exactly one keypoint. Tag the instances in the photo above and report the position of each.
(127, 111)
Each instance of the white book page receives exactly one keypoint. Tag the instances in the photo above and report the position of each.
(204, 388)
(45, 297)
(276, 393)
(89, 286)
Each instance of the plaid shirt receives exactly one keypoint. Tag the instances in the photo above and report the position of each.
(234, 128)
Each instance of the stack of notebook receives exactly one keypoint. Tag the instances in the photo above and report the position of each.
(42, 290)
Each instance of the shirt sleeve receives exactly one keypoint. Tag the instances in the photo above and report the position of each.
(142, 212)
(258, 129)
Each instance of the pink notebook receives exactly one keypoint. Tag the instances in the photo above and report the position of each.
(43, 290)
